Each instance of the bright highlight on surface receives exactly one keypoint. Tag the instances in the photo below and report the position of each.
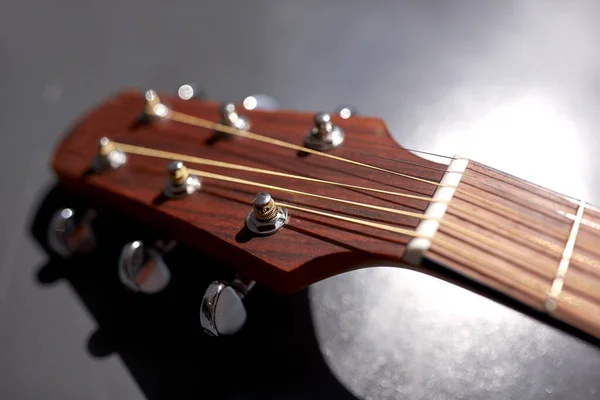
(160, 110)
(185, 92)
(250, 103)
(528, 137)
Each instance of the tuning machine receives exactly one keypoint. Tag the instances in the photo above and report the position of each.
(324, 135)
(222, 311)
(180, 182)
(69, 234)
(142, 268)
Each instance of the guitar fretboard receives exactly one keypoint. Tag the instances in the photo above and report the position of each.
(531, 244)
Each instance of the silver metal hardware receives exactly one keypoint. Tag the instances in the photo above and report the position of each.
(142, 269)
(68, 235)
(222, 310)
(230, 117)
(260, 102)
(324, 135)
(108, 156)
(153, 105)
(190, 91)
(180, 182)
(345, 111)
(265, 218)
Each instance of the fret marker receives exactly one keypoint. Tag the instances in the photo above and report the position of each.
(435, 211)
(563, 266)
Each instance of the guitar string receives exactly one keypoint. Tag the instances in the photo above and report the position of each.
(358, 221)
(548, 193)
(139, 150)
(132, 149)
(226, 178)
(544, 189)
(523, 276)
(492, 270)
(553, 214)
(490, 273)
(203, 123)
(519, 254)
(509, 232)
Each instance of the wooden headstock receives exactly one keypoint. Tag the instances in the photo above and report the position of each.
(311, 246)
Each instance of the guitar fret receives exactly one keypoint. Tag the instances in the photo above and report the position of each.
(436, 210)
(563, 266)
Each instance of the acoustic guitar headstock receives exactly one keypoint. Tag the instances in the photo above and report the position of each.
(284, 198)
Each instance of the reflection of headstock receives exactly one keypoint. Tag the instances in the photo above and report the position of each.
(146, 166)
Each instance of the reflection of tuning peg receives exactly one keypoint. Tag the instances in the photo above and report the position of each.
(190, 91)
(142, 269)
(222, 311)
(260, 102)
(346, 111)
(69, 235)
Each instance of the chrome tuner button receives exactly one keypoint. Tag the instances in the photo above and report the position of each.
(345, 111)
(324, 135)
(230, 117)
(190, 91)
(260, 102)
(266, 218)
(68, 235)
(222, 311)
(142, 269)
(179, 181)
(108, 156)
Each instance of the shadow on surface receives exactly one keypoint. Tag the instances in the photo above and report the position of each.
(159, 338)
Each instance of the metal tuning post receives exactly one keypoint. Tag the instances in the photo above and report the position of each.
(154, 107)
(179, 181)
(142, 268)
(222, 311)
(324, 135)
(346, 111)
(108, 156)
(69, 235)
(260, 102)
(191, 91)
(231, 117)
(265, 218)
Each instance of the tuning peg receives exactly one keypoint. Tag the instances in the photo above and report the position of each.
(260, 102)
(222, 311)
(142, 268)
(69, 235)
(180, 182)
(191, 91)
(346, 111)
(231, 117)
(324, 135)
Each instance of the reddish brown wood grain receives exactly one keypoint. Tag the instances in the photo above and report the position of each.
(310, 247)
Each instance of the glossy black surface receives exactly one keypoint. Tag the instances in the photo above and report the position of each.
(514, 84)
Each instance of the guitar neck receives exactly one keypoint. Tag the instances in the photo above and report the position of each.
(526, 242)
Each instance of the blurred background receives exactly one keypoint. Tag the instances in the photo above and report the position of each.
(514, 84)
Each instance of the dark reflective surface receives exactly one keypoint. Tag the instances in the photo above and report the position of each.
(513, 84)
